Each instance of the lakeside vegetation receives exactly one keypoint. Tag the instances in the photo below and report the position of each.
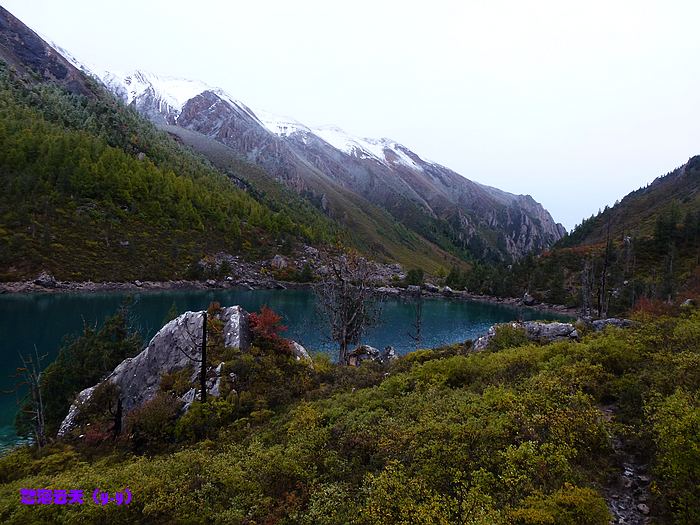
(514, 435)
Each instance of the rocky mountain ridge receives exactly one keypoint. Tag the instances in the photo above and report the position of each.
(425, 196)
(383, 171)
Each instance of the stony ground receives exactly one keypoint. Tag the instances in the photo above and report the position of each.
(628, 494)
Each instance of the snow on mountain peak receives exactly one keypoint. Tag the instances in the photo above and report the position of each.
(172, 93)
(175, 92)
(280, 125)
(366, 147)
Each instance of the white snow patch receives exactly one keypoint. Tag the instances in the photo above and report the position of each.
(175, 92)
(172, 92)
(280, 125)
(366, 147)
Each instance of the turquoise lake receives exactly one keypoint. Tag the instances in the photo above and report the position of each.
(45, 319)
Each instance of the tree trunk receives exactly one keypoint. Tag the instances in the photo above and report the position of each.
(602, 292)
(203, 369)
(118, 418)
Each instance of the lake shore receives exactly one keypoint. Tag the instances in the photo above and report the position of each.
(53, 287)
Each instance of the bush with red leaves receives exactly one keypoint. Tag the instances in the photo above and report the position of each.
(654, 307)
(267, 327)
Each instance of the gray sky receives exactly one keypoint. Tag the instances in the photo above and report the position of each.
(575, 103)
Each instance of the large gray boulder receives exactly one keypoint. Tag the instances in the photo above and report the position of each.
(549, 332)
(300, 353)
(534, 331)
(175, 346)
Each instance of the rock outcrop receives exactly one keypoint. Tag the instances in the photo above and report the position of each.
(24, 51)
(368, 353)
(46, 280)
(534, 331)
(541, 332)
(173, 348)
(279, 262)
(299, 352)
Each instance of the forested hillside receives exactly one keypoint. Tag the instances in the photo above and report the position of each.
(90, 190)
(674, 197)
(646, 247)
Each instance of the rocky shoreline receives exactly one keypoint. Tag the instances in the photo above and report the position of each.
(278, 273)
(31, 287)
(39, 286)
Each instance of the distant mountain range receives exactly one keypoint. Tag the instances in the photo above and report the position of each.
(389, 201)
(460, 215)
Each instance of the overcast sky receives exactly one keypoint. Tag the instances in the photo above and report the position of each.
(574, 103)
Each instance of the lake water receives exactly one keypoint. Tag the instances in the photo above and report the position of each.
(44, 319)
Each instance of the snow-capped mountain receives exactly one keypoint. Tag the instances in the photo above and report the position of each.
(423, 195)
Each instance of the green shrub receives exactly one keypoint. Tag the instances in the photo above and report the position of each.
(204, 420)
(569, 505)
(177, 382)
(508, 336)
(414, 277)
(676, 432)
(152, 425)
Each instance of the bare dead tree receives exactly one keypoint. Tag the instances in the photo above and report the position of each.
(602, 289)
(347, 300)
(32, 405)
(587, 279)
(417, 324)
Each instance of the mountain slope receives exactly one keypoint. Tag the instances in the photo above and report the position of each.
(433, 201)
(22, 49)
(89, 189)
(637, 214)
(367, 227)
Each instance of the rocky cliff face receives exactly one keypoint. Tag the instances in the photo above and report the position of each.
(396, 178)
(424, 196)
